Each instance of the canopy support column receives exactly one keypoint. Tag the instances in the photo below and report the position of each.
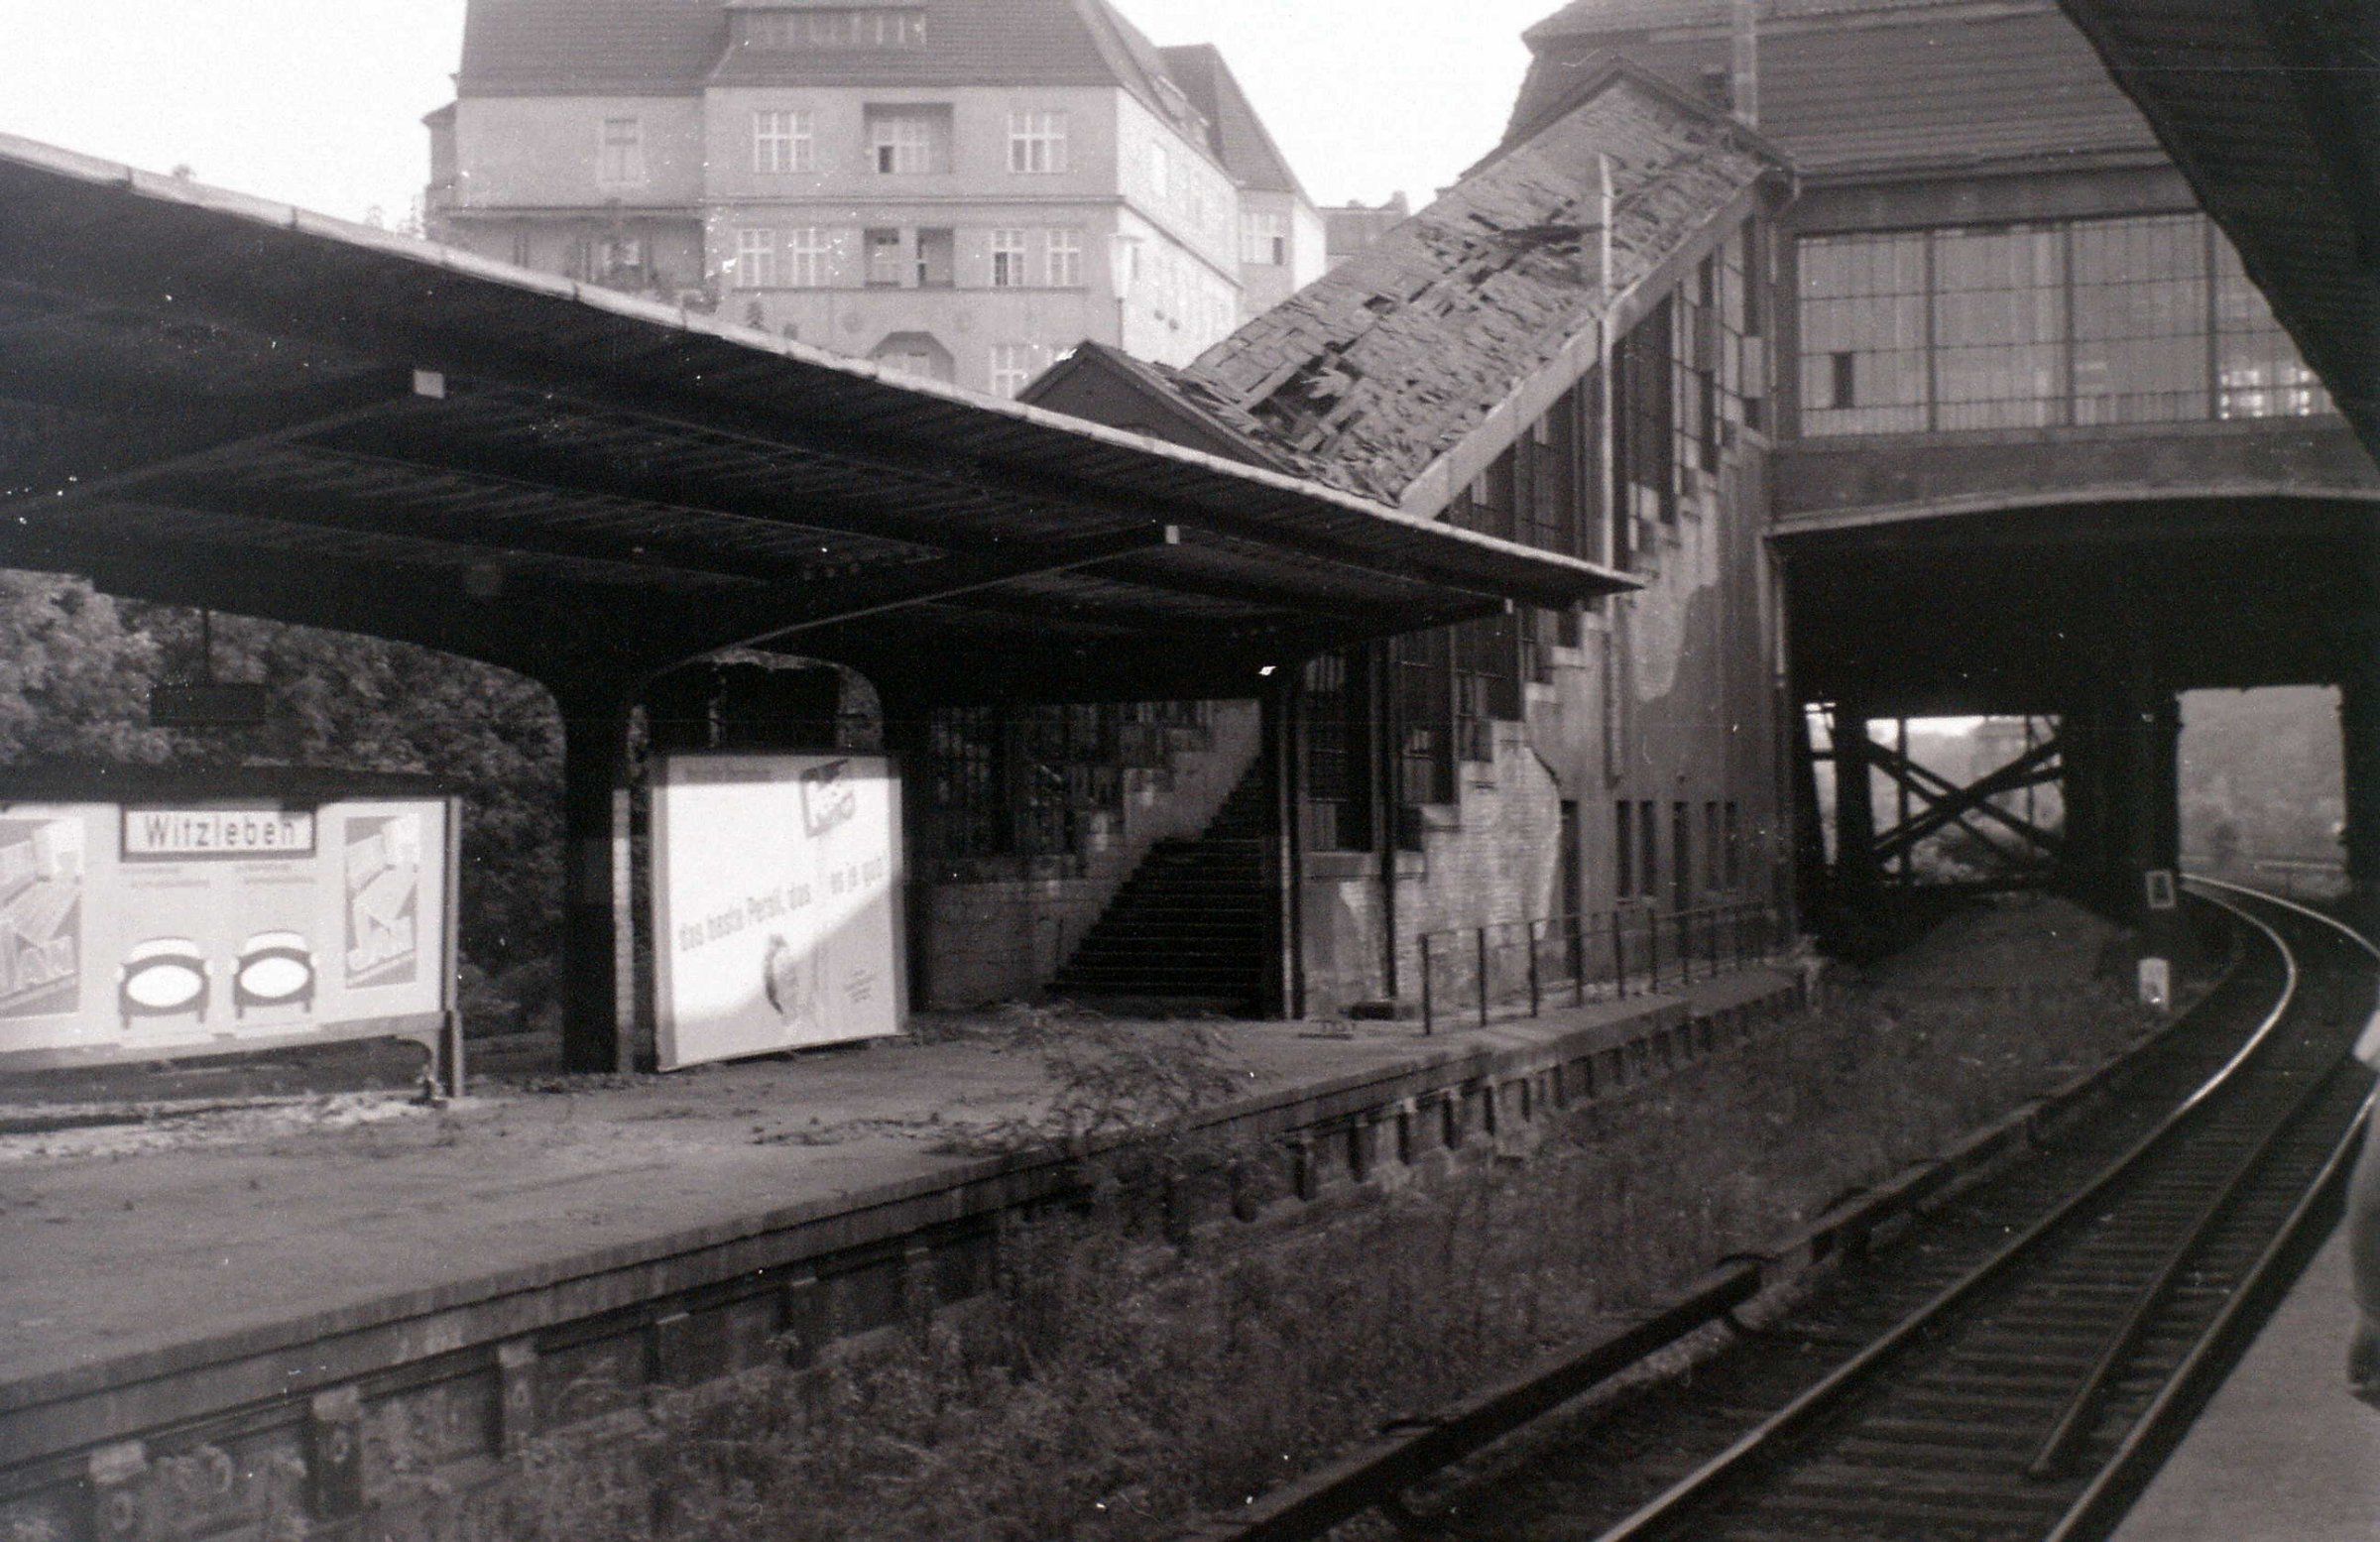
(599, 953)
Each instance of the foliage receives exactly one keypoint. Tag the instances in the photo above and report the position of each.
(75, 675)
(77, 669)
(362, 703)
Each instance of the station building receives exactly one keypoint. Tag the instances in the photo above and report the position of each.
(1564, 349)
(959, 189)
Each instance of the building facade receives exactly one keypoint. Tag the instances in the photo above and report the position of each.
(958, 189)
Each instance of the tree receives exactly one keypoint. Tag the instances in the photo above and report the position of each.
(75, 675)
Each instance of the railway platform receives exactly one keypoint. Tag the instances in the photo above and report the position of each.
(2282, 1453)
(243, 1291)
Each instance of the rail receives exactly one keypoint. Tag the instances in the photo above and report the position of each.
(1756, 1451)
(1598, 955)
(1410, 1451)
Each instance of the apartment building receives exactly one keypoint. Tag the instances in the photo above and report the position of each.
(957, 189)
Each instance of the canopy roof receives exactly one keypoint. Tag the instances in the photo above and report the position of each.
(212, 400)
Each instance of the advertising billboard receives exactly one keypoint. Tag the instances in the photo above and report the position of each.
(149, 929)
(776, 904)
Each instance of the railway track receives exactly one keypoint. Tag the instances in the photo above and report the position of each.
(2017, 1366)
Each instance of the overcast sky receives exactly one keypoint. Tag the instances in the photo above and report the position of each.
(318, 102)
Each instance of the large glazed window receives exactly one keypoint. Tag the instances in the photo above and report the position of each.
(2130, 320)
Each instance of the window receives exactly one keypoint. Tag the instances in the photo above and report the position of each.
(915, 353)
(1645, 453)
(840, 27)
(1036, 142)
(813, 257)
(1734, 846)
(1160, 173)
(2258, 371)
(1014, 365)
(2140, 320)
(908, 141)
(620, 259)
(884, 259)
(1999, 327)
(782, 142)
(1681, 861)
(1714, 850)
(621, 161)
(1624, 847)
(1648, 852)
(1338, 726)
(755, 260)
(1065, 264)
(937, 258)
(1864, 334)
(1264, 240)
(1008, 258)
(2144, 318)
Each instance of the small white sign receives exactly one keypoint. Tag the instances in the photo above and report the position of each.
(2156, 984)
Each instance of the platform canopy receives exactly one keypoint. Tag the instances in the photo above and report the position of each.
(2272, 110)
(210, 400)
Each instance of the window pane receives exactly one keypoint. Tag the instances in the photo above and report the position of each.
(2259, 369)
(1999, 327)
(1864, 334)
(2140, 320)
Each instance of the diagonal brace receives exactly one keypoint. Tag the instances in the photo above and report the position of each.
(921, 583)
(1948, 804)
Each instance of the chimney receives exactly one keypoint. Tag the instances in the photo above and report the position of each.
(1744, 76)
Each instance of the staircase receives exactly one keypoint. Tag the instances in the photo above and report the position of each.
(1187, 930)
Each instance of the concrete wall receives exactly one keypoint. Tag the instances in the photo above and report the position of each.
(1000, 940)
(1924, 475)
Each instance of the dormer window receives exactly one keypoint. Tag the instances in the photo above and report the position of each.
(849, 27)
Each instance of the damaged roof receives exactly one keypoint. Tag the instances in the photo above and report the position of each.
(1371, 374)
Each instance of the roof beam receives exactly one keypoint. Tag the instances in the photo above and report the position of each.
(935, 583)
(427, 515)
(109, 461)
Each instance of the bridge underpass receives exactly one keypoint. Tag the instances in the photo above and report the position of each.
(2093, 615)
(211, 401)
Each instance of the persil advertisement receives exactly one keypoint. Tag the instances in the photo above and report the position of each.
(777, 904)
(138, 930)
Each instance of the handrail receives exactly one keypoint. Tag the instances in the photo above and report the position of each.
(1594, 955)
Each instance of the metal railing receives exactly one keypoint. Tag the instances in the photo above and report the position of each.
(1606, 955)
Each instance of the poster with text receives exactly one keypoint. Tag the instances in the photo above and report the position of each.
(130, 929)
(777, 905)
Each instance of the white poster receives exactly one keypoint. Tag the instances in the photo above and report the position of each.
(776, 904)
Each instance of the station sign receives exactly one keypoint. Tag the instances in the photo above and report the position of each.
(156, 930)
(777, 890)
